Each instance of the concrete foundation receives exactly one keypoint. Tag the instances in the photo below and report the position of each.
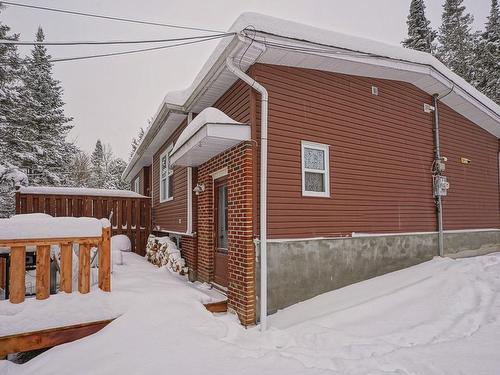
(301, 269)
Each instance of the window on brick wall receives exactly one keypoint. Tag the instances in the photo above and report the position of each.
(315, 170)
(166, 176)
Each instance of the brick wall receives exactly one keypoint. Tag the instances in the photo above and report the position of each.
(188, 251)
(241, 254)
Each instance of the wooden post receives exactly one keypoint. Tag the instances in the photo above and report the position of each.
(105, 260)
(84, 268)
(3, 271)
(42, 271)
(17, 274)
(67, 267)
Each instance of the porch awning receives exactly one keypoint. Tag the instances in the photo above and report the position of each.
(209, 134)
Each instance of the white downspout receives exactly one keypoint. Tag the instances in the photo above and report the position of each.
(189, 224)
(263, 184)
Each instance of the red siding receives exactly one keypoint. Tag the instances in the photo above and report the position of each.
(137, 176)
(144, 176)
(170, 215)
(236, 102)
(380, 153)
(472, 200)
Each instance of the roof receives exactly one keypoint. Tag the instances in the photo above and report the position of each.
(270, 40)
(209, 134)
(53, 190)
(208, 115)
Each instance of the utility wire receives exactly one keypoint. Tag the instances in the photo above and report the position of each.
(133, 51)
(110, 42)
(207, 38)
(92, 15)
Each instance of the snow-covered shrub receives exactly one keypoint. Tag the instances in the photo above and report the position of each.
(162, 252)
(120, 242)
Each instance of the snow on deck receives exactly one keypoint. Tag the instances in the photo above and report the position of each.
(42, 226)
(130, 281)
(56, 190)
(440, 317)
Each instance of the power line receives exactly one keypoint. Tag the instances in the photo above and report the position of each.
(110, 42)
(130, 51)
(121, 19)
(133, 51)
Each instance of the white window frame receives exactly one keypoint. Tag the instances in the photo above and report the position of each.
(137, 185)
(326, 172)
(170, 171)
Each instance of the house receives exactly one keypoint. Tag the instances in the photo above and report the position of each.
(302, 160)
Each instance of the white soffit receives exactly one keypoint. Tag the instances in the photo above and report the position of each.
(209, 141)
(420, 76)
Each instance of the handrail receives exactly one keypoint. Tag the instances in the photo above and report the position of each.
(18, 259)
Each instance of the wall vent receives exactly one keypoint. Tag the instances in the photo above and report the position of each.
(374, 90)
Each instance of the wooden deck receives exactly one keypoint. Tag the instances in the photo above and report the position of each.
(48, 338)
(217, 307)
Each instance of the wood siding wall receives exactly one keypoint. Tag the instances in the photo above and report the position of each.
(144, 176)
(473, 198)
(172, 215)
(140, 177)
(381, 152)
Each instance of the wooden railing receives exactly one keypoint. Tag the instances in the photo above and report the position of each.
(18, 257)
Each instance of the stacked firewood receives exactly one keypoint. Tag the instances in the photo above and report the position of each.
(162, 252)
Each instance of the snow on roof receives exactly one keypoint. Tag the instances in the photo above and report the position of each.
(39, 227)
(52, 190)
(308, 33)
(207, 116)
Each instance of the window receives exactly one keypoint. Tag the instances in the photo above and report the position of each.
(137, 185)
(166, 176)
(315, 170)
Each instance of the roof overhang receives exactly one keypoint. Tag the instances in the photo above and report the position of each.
(164, 124)
(280, 42)
(210, 140)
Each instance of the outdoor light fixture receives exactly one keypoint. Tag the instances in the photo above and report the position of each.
(199, 188)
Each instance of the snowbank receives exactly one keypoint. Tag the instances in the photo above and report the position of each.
(51, 190)
(440, 317)
(40, 226)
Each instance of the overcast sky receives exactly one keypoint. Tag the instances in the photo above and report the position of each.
(110, 98)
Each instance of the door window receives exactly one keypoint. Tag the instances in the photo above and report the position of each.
(222, 217)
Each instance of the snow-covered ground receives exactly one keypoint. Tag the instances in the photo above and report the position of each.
(440, 317)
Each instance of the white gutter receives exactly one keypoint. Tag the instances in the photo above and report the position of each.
(263, 185)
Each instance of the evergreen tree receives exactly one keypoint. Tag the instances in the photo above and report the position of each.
(10, 137)
(136, 142)
(420, 34)
(116, 168)
(81, 173)
(487, 65)
(46, 155)
(98, 174)
(456, 41)
(10, 178)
